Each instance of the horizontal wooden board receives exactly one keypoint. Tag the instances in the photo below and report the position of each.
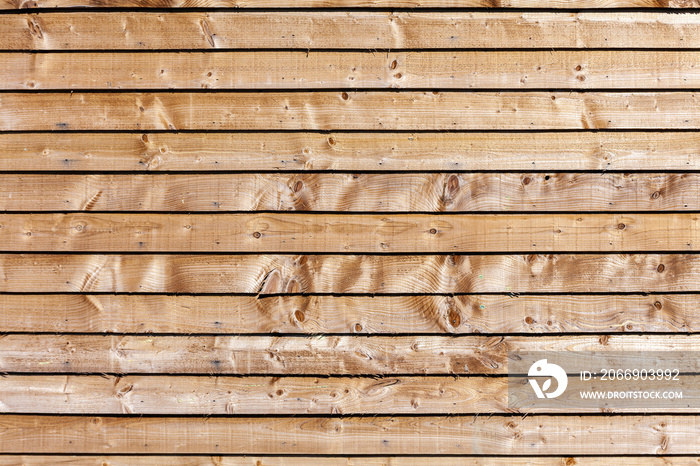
(543, 435)
(594, 69)
(348, 233)
(376, 274)
(485, 314)
(22, 4)
(351, 151)
(359, 192)
(380, 110)
(193, 460)
(182, 395)
(347, 30)
(255, 395)
(316, 355)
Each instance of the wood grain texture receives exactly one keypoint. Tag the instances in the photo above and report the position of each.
(182, 395)
(347, 30)
(25, 4)
(359, 192)
(193, 460)
(152, 152)
(543, 435)
(485, 314)
(380, 110)
(317, 355)
(348, 233)
(594, 69)
(376, 274)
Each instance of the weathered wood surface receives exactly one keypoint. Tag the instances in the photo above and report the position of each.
(255, 395)
(536, 435)
(347, 30)
(380, 110)
(193, 460)
(358, 192)
(278, 274)
(485, 314)
(551, 69)
(23, 4)
(348, 233)
(317, 355)
(350, 151)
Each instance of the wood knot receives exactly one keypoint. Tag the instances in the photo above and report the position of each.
(529, 320)
(658, 305)
(257, 234)
(433, 231)
(144, 138)
(621, 226)
(578, 68)
(357, 328)
(298, 186)
(454, 318)
(398, 75)
(345, 96)
(526, 180)
(331, 141)
(661, 268)
(655, 195)
(604, 339)
(299, 316)
(394, 64)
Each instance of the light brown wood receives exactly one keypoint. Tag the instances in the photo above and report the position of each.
(316, 355)
(349, 314)
(607, 69)
(359, 192)
(223, 395)
(611, 435)
(376, 274)
(21, 4)
(348, 233)
(30, 460)
(379, 110)
(351, 151)
(183, 395)
(347, 30)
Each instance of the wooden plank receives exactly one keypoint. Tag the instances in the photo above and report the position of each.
(347, 30)
(183, 395)
(536, 435)
(348, 233)
(191, 460)
(484, 314)
(380, 110)
(318, 355)
(376, 274)
(345, 192)
(351, 151)
(223, 395)
(22, 4)
(594, 69)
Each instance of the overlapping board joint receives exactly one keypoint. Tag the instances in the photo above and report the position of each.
(357, 232)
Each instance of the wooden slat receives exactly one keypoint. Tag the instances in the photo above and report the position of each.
(379, 110)
(350, 151)
(182, 395)
(223, 395)
(536, 435)
(349, 314)
(191, 460)
(273, 274)
(344, 192)
(347, 30)
(21, 4)
(317, 355)
(348, 233)
(318, 70)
